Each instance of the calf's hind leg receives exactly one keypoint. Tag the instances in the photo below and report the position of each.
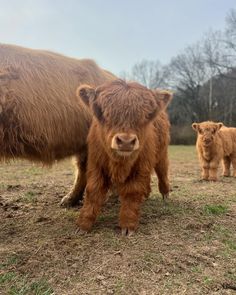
(226, 166)
(162, 173)
(233, 159)
(74, 197)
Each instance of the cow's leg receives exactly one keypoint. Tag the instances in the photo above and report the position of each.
(95, 196)
(162, 173)
(75, 196)
(226, 166)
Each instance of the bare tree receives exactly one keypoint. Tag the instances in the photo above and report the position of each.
(150, 73)
(223, 76)
(231, 29)
(189, 73)
(203, 78)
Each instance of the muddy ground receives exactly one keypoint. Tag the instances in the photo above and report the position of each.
(187, 246)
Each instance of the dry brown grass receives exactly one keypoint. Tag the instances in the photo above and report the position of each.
(185, 247)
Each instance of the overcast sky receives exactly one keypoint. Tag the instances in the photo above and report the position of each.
(115, 33)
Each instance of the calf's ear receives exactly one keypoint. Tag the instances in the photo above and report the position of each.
(220, 125)
(195, 126)
(98, 112)
(86, 93)
(217, 126)
(163, 97)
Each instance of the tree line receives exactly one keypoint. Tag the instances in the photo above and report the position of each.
(203, 79)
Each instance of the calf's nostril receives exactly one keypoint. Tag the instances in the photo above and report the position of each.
(119, 141)
(133, 141)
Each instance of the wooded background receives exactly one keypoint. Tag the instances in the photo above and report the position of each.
(203, 79)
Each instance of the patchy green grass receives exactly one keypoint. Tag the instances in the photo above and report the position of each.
(15, 284)
(22, 287)
(29, 197)
(215, 209)
(7, 277)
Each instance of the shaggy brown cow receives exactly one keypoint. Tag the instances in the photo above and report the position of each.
(215, 143)
(128, 138)
(40, 116)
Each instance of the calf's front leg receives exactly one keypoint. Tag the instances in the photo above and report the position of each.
(205, 171)
(95, 196)
(132, 196)
(204, 164)
(129, 213)
(213, 167)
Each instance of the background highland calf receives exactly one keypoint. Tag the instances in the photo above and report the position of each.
(128, 138)
(215, 143)
(40, 116)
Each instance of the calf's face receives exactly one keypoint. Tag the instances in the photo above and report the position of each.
(123, 112)
(207, 131)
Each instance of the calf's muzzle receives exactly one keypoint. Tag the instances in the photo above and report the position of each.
(125, 142)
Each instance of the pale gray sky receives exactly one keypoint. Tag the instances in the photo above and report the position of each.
(115, 33)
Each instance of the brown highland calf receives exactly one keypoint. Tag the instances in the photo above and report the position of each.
(40, 116)
(128, 139)
(215, 143)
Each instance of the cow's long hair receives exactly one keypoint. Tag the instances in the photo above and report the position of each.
(41, 118)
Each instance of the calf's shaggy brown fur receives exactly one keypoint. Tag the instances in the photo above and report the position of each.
(40, 116)
(215, 143)
(128, 138)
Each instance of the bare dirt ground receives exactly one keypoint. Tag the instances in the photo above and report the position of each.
(185, 247)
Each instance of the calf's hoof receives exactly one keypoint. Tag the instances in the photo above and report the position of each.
(226, 175)
(212, 179)
(80, 231)
(165, 197)
(85, 223)
(127, 232)
(204, 178)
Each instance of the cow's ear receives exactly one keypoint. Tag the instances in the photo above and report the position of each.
(88, 96)
(163, 97)
(86, 93)
(195, 126)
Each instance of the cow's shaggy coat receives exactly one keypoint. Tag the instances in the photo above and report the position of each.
(41, 118)
(128, 139)
(215, 143)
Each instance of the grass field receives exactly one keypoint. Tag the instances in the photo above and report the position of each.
(187, 246)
